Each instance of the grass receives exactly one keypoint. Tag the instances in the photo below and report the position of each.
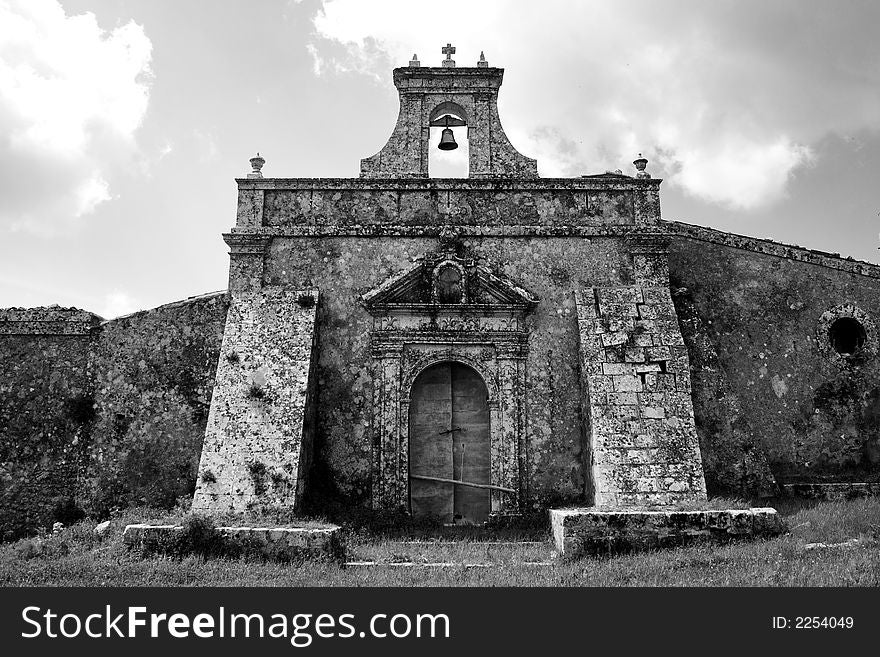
(77, 556)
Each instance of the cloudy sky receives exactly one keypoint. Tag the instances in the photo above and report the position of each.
(123, 123)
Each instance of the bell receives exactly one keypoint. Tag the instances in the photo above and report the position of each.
(447, 140)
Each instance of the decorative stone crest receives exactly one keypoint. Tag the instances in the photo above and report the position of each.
(257, 166)
(641, 164)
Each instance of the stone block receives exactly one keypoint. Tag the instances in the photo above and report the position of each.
(627, 383)
(650, 311)
(277, 543)
(619, 295)
(601, 384)
(634, 355)
(618, 368)
(613, 339)
(623, 398)
(642, 339)
(656, 354)
(581, 531)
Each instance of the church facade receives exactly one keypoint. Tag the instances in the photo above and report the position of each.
(474, 348)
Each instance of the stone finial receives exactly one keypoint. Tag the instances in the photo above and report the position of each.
(415, 60)
(257, 166)
(449, 51)
(482, 63)
(640, 163)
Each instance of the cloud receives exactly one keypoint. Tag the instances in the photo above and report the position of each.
(206, 144)
(726, 99)
(118, 303)
(71, 99)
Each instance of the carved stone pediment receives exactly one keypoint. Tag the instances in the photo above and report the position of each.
(447, 282)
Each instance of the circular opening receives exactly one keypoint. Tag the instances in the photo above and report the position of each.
(847, 336)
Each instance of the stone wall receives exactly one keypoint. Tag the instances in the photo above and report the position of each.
(46, 412)
(347, 237)
(550, 269)
(100, 414)
(773, 401)
(153, 376)
(553, 237)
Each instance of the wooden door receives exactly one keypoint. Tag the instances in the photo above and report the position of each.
(449, 445)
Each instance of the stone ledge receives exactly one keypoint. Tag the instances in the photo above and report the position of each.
(47, 320)
(833, 491)
(577, 532)
(276, 543)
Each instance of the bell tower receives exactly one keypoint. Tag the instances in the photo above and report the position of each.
(445, 96)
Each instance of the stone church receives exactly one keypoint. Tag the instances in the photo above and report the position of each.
(474, 348)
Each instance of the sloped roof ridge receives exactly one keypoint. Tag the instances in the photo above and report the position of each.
(772, 247)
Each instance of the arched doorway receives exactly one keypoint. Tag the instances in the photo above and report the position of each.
(449, 467)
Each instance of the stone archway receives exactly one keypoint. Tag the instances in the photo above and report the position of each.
(449, 445)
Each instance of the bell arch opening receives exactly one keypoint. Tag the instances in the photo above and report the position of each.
(449, 445)
(448, 148)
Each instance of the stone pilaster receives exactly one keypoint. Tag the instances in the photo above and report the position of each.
(390, 491)
(650, 254)
(247, 257)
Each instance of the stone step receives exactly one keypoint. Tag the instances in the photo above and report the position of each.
(427, 552)
(581, 531)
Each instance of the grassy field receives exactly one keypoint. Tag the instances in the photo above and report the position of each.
(77, 556)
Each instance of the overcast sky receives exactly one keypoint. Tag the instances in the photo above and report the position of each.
(123, 123)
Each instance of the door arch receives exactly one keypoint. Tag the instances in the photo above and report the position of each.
(449, 445)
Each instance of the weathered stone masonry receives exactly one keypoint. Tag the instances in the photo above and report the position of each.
(627, 360)
(258, 437)
(595, 404)
(102, 414)
(643, 440)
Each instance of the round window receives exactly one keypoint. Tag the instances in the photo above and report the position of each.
(847, 335)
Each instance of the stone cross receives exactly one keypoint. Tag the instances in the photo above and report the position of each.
(449, 51)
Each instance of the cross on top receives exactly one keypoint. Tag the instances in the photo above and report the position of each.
(449, 51)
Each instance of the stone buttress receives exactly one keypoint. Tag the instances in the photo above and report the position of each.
(257, 441)
(636, 382)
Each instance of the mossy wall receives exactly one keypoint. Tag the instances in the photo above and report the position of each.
(770, 394)
(46, 411)
(551, 268)
(153, 374)
(95, 415)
